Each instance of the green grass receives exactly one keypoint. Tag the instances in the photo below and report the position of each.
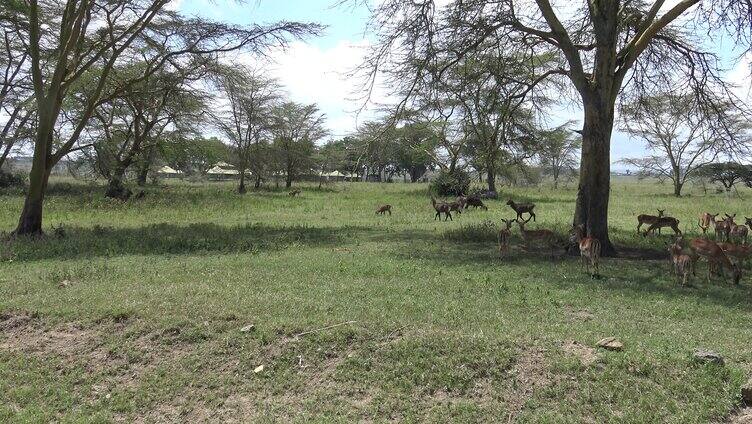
(148, 326)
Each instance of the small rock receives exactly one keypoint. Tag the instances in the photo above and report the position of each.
(248, 328)
(747, 393)
(610, 343)
(258, 369)
(63, 284)
(708, 357)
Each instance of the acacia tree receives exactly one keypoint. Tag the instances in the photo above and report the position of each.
(15, 104)
(682, 136)
(248, 116)
(68, 39)
(557, 151)
(297, 128)
(606, 49)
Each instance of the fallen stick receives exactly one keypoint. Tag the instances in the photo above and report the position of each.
(325, 328)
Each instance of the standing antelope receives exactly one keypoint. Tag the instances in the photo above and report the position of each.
(440, 208)
(711, 251)
(682, 263)
(722, 230)
(521, 208)
(294, 193)
(456, 206)
(706, 218)
(664, 221)
(649, 220)
(504, 235)
(546, 237)
(384, 209)
(738, 232)
(475, 202)
(590, 249)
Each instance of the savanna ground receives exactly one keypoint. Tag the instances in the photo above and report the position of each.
(133, 312)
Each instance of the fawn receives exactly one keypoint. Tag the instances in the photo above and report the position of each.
(546, 237)
(649, 220)
(440, 208)
(682, 263)
(722, 229)
(521, 208)
(590, 249)
(384, 209)
(294, 193)
(664, 221)
(504, 235)
(706, 218)
(711, 251)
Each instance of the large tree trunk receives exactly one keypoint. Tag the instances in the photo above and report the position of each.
(241, 186)
(143, 171)
(257, 184)
(595, 172)
(288, 180)
(30, 222)
(491, 178)
(115, 187)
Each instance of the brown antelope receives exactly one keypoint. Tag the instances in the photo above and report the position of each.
(740, 252)
(475, 202)
(545, 237)
(682, 263)
(590, 249)
(649, 220)
(440, 208)
(722, 230)
(715, 256)
(462, 201)
(521, 208)
(664, 221)
(384, 209)
(294, 193)
(737, 232)
(456, 206)
(706, 218)
(504, 235)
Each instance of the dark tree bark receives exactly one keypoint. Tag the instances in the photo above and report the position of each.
(241, 185)
(257, 184)
(595, 172)
(115, 187)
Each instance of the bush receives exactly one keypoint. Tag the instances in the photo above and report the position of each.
(454, 183)
(8, 180)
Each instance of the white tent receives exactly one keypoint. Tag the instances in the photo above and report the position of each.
(166, 170)
(216, 170)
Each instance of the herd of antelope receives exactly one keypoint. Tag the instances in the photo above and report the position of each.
(725, 255)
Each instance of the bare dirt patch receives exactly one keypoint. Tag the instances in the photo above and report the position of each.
(586, 354)
(530, 374)
(742, 416)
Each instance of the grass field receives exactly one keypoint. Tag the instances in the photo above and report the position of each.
(133, 312)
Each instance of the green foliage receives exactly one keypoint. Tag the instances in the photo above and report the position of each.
(12, 180)
(451, 183)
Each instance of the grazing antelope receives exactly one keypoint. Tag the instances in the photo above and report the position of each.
(590, 249)
(521, 208)
(504, 235)
(715, 256)
(294, 193)
(664, 221)
(682, 263)
(649, 220)
(546, 237)
(440, 208)
(384, 209)
(475, 202)
(706, 218)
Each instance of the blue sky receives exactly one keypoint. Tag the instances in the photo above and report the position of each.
(315, 72)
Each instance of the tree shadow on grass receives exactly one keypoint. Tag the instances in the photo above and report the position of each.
(169, 239)
(641, 271)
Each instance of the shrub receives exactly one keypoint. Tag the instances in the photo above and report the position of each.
(454, 183)
(9, 180)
